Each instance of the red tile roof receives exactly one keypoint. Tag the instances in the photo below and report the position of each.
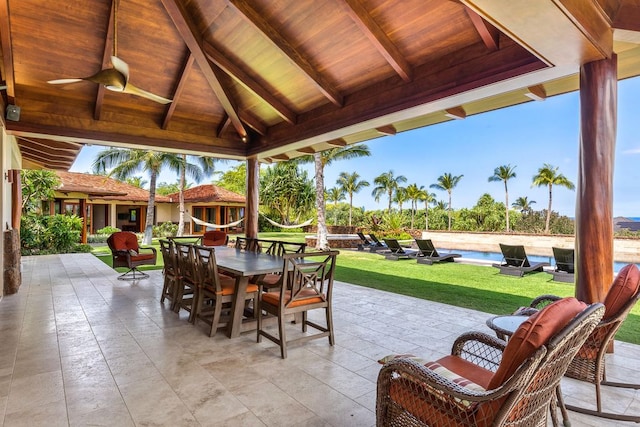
(209, 193)
(101, 187)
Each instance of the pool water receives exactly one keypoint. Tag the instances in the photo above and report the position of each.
(497, 257)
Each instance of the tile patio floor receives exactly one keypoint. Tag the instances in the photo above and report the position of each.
(78, 347)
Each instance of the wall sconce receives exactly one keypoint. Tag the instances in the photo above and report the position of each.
(8, 176)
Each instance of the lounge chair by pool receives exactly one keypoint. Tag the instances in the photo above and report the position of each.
(564, 271)
(397, 252)
(427, 253)
(515, 261)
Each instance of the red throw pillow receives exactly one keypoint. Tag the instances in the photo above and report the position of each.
(532, 334)
(124, 241)
(624, 287)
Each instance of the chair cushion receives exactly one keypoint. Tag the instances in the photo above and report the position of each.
(214, 238)
(624, 287)
(307, 297)
(142, 257)
(391, 357)
(532, 334)
(124, 241)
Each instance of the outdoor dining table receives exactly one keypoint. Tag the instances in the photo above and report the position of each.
(244, 265)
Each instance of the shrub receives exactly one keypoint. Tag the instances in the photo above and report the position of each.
(49, 234)
(166, 229)
(108, 230)
(97, 238)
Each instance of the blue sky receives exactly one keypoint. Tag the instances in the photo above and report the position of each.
(525, 136)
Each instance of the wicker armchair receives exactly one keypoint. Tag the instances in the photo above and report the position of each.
(589, 363)
(125, 252)
(489, 386)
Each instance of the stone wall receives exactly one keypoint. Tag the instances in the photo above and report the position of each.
(12, 274)
(342, 242)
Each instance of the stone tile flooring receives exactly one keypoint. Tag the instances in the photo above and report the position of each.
(78, 347)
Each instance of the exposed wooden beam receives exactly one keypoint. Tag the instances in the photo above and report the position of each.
(223, 126)
(33, 154)
(306, 150)
(537, 93)
(239, 75)
(280, 157)
(253, 123)
(457, 113)
(106, 60)
(60, 146)
(379, 39)
(299, 60)
(627, 17)
(337, 142)
(7, 53)
(489, 34)
(178, 92)
(59, 155)
(192, 38)
(388, 130)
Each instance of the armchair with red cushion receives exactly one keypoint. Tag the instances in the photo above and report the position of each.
(126, 252)
(485, 381)
(214, 238)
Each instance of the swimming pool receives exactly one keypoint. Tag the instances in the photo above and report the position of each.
(497, 257)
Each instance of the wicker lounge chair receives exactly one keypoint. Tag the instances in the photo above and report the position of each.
(515, 261)
(397, 252)
(485, 381)
(427, 253)
(564, 271)
(589, 364)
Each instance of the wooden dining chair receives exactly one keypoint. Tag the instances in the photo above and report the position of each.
(247, 244)
(215, 292)
(271, 281)
(187, 285)
(306, 284)
(169, 271)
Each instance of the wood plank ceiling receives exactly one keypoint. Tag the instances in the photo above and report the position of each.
(280, 79)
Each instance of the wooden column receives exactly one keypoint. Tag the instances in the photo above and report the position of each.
(594, 206)
(16, 198)
(251, 208)
(83, 215)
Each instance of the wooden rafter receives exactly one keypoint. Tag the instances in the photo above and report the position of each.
(71, 147)
(306, 150)
(180, 87)
(388, 130)
(537, 93)
(223, 126)
(280, 157)
(55, 154)
(7, 53)
(239, 75)
(36, 154)
(337, 142)
(489, 34)
(457, 113)
(299, 60)
(192, 38)
(106, 60)
(253, 123)
(379, 39)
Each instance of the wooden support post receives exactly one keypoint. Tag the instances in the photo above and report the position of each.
(83, 216)
(16, 198)
(594, 206)
(251, 208)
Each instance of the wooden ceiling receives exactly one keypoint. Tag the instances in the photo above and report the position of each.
(279, 79)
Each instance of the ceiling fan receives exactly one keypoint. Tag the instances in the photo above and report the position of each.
(115, 78)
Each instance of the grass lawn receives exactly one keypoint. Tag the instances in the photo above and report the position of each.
(463, 285)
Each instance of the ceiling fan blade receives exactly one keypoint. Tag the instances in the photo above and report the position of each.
(121, 66)
(64, 81)
(129, 88)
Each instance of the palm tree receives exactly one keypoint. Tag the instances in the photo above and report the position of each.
(387, 183)
(400, 197)
(414, 193)
(136, 181)
(350, 183)
(504, 173)
(204, 166)
(447, 182)
(334, 195)
(321, 160)
(427, 198)
(548, 176)
(124, 163)
(523, 204)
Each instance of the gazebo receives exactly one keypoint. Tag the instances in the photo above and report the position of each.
(265, 81)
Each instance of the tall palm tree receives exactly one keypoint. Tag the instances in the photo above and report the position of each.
(523, 204)
(504, 173)
(351, 184)
(427, 198)
(321, 160)
(334, 195)
(447, 182)
(387, 183)
(414, 193)
(205, 166)
(400, 197)
(123, 163)
(136, 181)
(548, 176)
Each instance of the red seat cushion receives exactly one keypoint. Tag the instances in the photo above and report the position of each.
(305, 297)
(624, 287)
(124, 241)
(214, 238)
(142, 257)
(532, 334)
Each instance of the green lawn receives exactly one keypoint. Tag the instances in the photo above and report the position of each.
(471, 286)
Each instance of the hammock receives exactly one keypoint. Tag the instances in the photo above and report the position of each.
(208, 224)
(307, 222)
